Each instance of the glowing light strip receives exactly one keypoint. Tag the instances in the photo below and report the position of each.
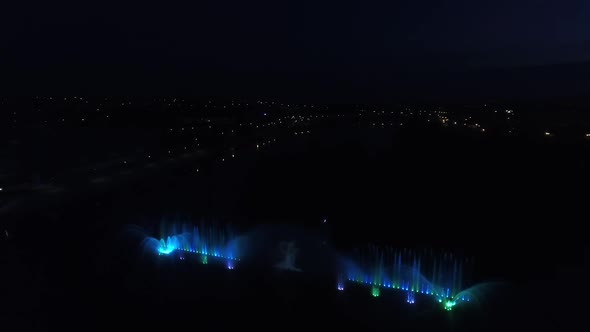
(210, 254)
(409, 289)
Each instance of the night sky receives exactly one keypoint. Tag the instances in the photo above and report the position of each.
(328, 51)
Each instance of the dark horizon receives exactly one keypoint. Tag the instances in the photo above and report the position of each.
(558, 83)
(302, 52)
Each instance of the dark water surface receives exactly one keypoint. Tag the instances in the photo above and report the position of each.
(511, 203)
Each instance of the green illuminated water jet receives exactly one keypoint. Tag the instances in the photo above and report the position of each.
(375, 291)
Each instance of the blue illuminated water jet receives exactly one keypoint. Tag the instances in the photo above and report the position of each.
(205, 240)
(438, 276)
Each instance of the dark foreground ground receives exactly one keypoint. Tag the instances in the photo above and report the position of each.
(514, 204)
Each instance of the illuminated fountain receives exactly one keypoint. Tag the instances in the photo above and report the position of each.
(375, 291)
(407, 270)
(207, 241)
(472, 294)
(411, 298)
(340, 283)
